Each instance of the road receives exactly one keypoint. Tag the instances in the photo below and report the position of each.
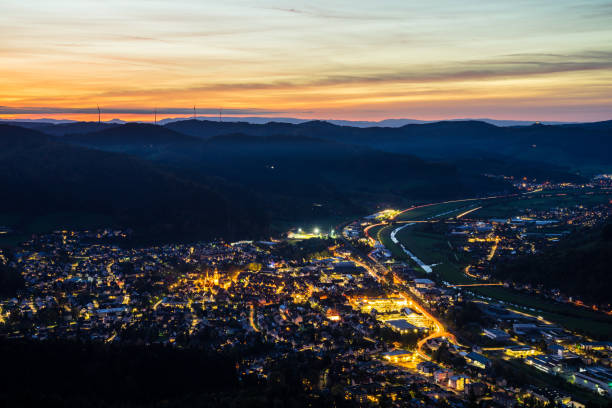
(377, 271)
(252, 318)
(463, 200)
(439, 329)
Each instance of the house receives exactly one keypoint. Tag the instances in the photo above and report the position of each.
(458, 382)
(427, 368)
(442, 375)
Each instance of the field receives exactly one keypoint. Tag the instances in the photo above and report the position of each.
(384, 234)
(438, 210)
(433, 248)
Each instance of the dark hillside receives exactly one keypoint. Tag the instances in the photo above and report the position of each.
(571, 145)
(63, 129)
(42, 176)
(128, 134)
(579, 266)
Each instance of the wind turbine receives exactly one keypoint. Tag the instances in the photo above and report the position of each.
(98, 114)
(220, 113)
(194, 113)
(156, 115)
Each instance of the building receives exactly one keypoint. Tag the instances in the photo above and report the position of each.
(596, 345)
(382, 305)
(424, 283)
(598, 379)
(442, 375)
(404, 326)
(458, 382)
(397, 356)
(408, 312)
(427, 368)
(477, 360)
(524, 328)
(496, 334)
(519, 351)
(545, 364)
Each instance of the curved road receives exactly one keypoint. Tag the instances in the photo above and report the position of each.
(439, 330)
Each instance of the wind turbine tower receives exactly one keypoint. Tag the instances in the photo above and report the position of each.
(98, 114)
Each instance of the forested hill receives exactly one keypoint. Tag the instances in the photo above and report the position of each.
(41, 175)
(298, 177)
(579, 265)
(130, 133)
(200, 179)
(576, 145)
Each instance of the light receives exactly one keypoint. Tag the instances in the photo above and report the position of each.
(316, 230)
(299, 230)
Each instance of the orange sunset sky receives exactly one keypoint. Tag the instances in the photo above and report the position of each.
(358, 60)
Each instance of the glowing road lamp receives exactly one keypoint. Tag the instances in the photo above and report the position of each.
(316, 231)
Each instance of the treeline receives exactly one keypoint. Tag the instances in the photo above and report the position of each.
(305, 249)
(42, 176)
(71, 374)
(10, 280)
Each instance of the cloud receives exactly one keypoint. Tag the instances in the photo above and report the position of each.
(505, 66)
(341, 14)
(518, 65)
(7, 110)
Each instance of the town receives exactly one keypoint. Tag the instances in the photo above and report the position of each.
(391, 327)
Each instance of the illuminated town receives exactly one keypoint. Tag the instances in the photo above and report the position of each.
(386, 326)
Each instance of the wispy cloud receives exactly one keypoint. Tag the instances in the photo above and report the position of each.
(7, 110)
(520, 65)
(507, 66)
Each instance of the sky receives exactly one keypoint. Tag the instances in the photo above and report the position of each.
(355, 60)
